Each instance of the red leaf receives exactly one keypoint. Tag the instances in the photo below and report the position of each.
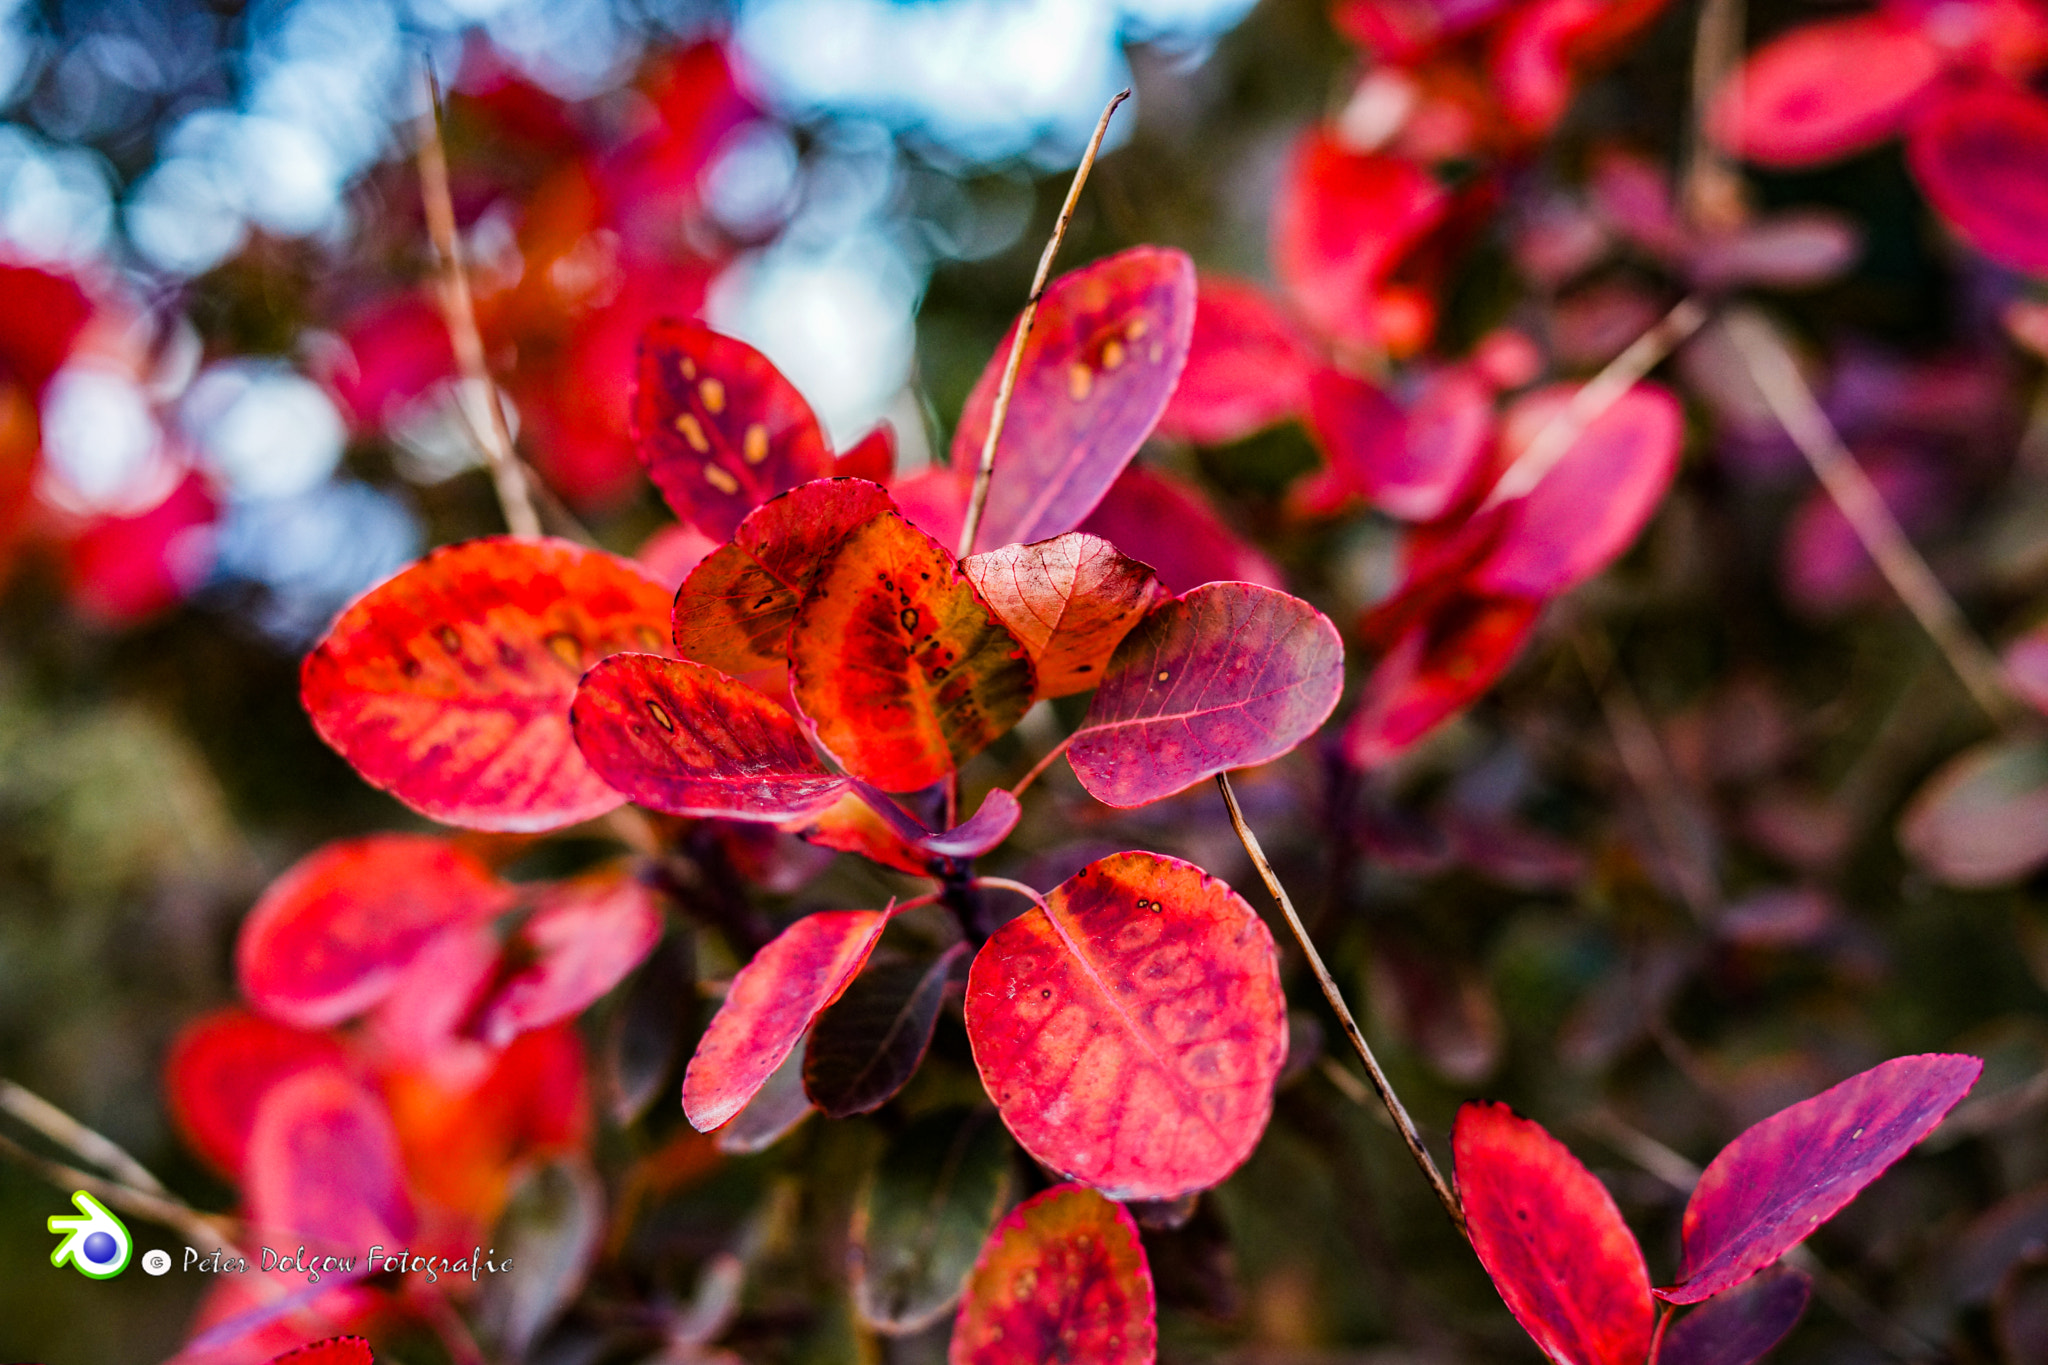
(1438, 667)
(449, 685)
(734, 610)
(718, 427)
(898, 664)
(41, 315)
(221, 1067)
(1738, 1327)
(1162, 521)
(329, 937)
(582, 940)
(126, 569)
(335, 1351)
(1777, 1182)
(323, 1166)
(679, 737)
(1981, 156)
(1069, 600)
(1062, 1278)
(1593, 503)
(1248, 366)
(1550, 1236)
(1132, 1030)
(1226, 676)
(1344, 220)
(1417, 464)
(987, 827)
(1825, 90)
(770, 1003)
(1097, 371)
(872, 457)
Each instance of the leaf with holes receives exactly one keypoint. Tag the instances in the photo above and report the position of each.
(581, 940)
(901, 668)
(1825, 90)
(330, 937)
(1131, 1030)
(1248, 366)
(1100, 364)
(1551, 1238)
(1740, 1326)
(449, 685)
(867, 1044)
(718, 427)
(924, 1214)
(735, 609)
(323, 1166)
(771, 1002)
(1064, 1277)
(686, 739)
(1225, 676)
(1770, 1188)
(1437, 668)
(1981, 157)
(220, 1068)
(1070, 600)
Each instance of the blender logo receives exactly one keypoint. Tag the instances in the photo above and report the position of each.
(96, 1243)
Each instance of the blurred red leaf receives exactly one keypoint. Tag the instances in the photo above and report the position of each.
(582, 940)
(1982, 819)
(872, 457)
(686, 739)
(771, 1002)
(1101, 362)
(329, 937)
(898, 664)
(1248, 366)
(41, 315)
(220, 1068)
(1132, 1030)
(449, 685)
(337, 1351)
(1550, 1236)
(1435, 670)
(124, 569)
(1228, 675)
(1417, 464)
(691, 102)
(323, 1166)
(735, 609)
(1062, 1278)
(1777, 1182)
(1166, 523)
(1825, 90)
(1069, 600)
(718, 427)
(1739, 1326)
(1981, 157)
(390, 352)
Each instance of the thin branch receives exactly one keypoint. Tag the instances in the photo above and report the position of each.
(1038, 769)
(1555, 438)
(67, 1132)
(1792, 402)
(1383, 1087)
(1001, 411)
(1711, 192)
(515, 498)
(157, 1208)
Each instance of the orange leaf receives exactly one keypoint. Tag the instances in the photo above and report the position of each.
(1069, 599)
(1063, 1278)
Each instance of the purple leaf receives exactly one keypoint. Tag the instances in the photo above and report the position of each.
(1738, 1327)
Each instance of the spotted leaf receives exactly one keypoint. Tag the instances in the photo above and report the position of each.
(1070, 600)
(1063, 1277)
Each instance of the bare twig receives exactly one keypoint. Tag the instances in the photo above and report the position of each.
(1383, 1087)
(157, 1208)
(1711, 191)
(1001, 411)
(1554, 439)
(67, 1132)
(1777, 376)
(459, 309)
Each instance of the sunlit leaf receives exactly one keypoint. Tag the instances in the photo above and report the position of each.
(329, 938)
(1982, 819)
(1100, 364)
(1069, 600)
(1770, 1188)
(1343, 221)
(582, 939)
(449, 685)
(924, 1215)
(686, 739)
(718, 427)
(771, 1002)
(866, 1045)
(1132, 1030)
(221, 1067)
(734, 610)
(1739, 1326)
(1225, 676)
(1435, 670)
(1981, 156)
(897, 662)
(323, 1165)
(1063, 1278)
(1825, 90)
(1550, 1236)
(1248, 366)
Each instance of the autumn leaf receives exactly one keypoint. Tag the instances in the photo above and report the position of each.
(1825, 90)
(222, 1065)
(1981, 157)
(1741, 1325)
(924, 1215)
(449, 685)
(334, 1351)
(1248, 366)
(1131, 1031)
(1063, 1278)
(1435, 670)
(1070, 600)
(582, 939)
(865, 1045)
(323, 1166)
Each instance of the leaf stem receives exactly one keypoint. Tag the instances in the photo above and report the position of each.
(1776, 373)
(1657, 1337)
(1383, 1087)
(1005, 884)
(986, 470)
(1052, 756)
(458, 308)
